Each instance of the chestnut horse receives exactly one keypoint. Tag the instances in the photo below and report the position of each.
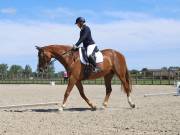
(113, 64)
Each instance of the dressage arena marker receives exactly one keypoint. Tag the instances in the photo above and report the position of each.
(160, 94)
(27, 105)
(177, 93)
(52, 83)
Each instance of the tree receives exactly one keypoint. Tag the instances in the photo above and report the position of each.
(51, 70)
(144, 70)
(134, 71)
(15, 70)
(3, 69)
(27, 70)
(61, 74)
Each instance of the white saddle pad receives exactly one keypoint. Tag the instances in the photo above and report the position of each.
(99, 57)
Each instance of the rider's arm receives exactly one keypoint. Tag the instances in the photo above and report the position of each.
(83, 37)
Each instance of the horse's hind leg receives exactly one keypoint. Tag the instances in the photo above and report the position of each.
(81, 91)
(127, 88)
(107, 80)
(125, 79)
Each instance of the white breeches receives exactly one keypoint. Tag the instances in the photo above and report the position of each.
(90, 49)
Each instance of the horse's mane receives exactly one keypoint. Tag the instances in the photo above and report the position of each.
(58, 46)
(68, 47)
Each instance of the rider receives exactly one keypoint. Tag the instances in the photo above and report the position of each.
(88, 42)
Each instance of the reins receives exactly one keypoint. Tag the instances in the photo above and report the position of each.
(67, 52)
(63, 54)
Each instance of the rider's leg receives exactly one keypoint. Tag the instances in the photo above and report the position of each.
(90, 49)
(84, 52)
(91, 56)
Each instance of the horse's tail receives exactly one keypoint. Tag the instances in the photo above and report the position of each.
(128, 79)
(122, 72)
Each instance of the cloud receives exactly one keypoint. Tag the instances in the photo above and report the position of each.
(9, 11)
(140, 35)
(58, 13)
(127, 15)
(153, 42)
(66, 13)
(18, 40)
(69, 14)
(17, 36)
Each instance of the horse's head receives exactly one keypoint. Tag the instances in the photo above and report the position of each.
(44, 58)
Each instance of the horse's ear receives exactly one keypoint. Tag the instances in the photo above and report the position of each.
(38, 48)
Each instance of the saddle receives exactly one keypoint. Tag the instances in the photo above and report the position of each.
(84, 58)
(89, 64)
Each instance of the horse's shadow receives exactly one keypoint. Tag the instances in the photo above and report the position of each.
(64, 110)
(50, 110)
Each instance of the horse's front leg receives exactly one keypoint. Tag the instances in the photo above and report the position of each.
(81, 91)
(70, 86)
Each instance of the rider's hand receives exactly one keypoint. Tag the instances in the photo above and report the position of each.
(75, 47)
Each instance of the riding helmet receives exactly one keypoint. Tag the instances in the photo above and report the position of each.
(80, 19)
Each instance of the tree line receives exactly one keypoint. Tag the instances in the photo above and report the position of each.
(17, 71)
(143, 70)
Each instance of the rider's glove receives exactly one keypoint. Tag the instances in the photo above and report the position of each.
(75, 47)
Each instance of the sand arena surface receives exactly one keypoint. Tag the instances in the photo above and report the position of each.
(158, 115)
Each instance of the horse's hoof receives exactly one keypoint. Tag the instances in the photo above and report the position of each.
(133, 105)
(60, 109)
(93, 108)
(105, 105)
(63, 106)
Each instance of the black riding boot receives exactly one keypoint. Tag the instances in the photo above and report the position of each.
(92, 60)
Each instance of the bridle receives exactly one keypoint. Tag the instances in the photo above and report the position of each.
(63, 54)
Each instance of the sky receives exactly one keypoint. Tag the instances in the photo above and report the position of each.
(147, 32)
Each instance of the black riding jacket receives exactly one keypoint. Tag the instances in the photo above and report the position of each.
(85, 37)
